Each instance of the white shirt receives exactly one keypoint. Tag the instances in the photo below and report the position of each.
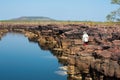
(85, 37)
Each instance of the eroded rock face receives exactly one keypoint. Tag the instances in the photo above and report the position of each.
(99, 60)
(102, 53)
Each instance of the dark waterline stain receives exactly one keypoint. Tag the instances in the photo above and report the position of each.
(23, 60)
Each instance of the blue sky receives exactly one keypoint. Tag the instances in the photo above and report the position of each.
(94, 10)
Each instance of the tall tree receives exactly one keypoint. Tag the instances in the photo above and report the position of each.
(114, 15)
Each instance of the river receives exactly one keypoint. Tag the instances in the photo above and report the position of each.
(21, 59)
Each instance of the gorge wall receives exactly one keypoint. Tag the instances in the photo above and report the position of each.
(99, 60)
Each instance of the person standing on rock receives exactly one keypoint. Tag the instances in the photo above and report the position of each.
(85, 38)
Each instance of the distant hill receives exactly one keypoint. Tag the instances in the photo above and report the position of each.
(33, 18)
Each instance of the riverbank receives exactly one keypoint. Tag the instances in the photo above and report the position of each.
(99, 60)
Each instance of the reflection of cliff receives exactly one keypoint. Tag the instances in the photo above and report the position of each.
(3, 32)
(100, 60)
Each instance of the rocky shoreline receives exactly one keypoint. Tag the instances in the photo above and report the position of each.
(99, 60)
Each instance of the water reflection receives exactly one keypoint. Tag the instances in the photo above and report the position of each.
(23, 60)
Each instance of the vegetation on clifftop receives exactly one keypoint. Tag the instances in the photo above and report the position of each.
(114, 15)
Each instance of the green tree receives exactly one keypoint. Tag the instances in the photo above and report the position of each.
(115, 2)
(114, 15)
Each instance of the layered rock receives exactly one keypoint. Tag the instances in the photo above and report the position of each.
(99, 60)
(100, 57)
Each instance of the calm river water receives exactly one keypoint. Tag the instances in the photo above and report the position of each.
(24, 60)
